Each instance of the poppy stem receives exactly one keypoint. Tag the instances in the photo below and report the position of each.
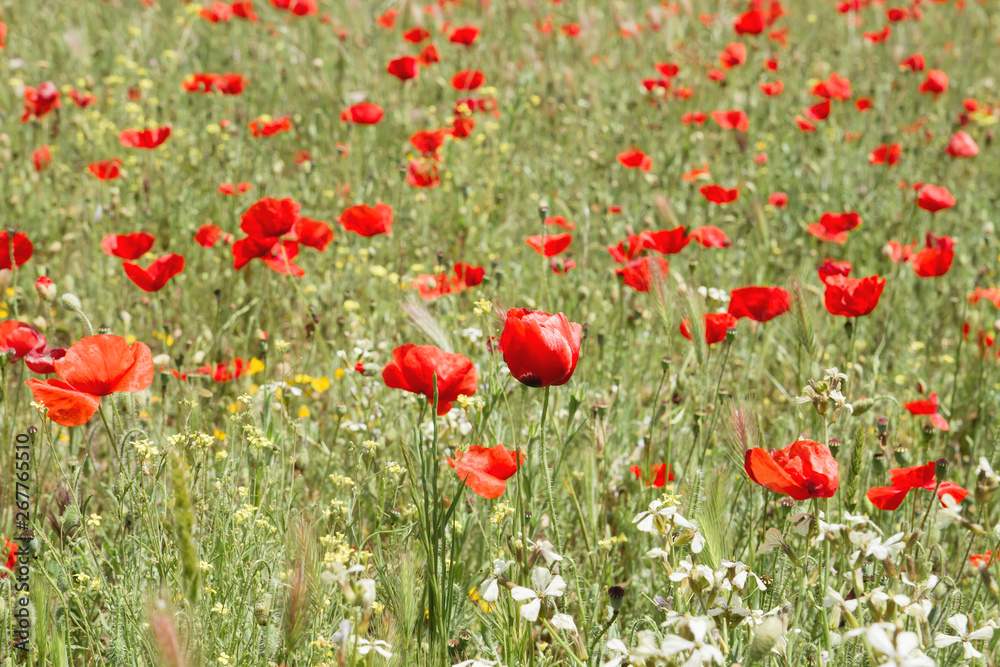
(550, 496)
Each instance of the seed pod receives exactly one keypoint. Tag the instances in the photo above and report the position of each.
(262, 610)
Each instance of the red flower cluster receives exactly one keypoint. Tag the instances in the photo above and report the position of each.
(275, 230)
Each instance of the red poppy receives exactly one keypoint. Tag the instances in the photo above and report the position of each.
(429, 55)
(760, 304)
(486, 470)
(468, 79)
(262, 127)
(224, 84)
(465, 35)
(933, 198)
(235, 188)
(244, 10)
(148, 139)
(804, 125)
(962, 144)
(904, 480)
(461, 128)
(422, 173)
(82, 100)
(22, 246)
(46, 288)
(935, 258)
(21, 339)
(818, 112)
(778, 199)
(416, 369)
(659, 475)
(549, 245)
(643, 273)
(928, 406)
(734, 119)
(562, 266)
(887, 154)
(156, 276)
(852, 297)
(878, 37)
(635, 159)
(226, 371)
(208, 235)
(127, 246)
(831, 267)
(429, 142)
(93, 367)
(217, 12)
(710, 236)
(366, 220)
(805, 469)
(108, 170)
(297, 7)
(540, 349)
(431, 287)
(274, 231)
(570, 29)
(41, 157)
(560, 221)
(749, 23)
(365, 113)
(734, 55)
(719, 195)
(9, 546)
(39, 102)
(416, 35)
(693, 118)
(935, 83)
(977, 560)
(914, 63)
(715, 326)
(403, 68)
(387, 19)
(835, 87)
(627, 250)
(772, 89)
(666, 241)
(833, 227)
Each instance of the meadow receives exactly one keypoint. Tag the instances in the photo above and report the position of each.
(499, 333)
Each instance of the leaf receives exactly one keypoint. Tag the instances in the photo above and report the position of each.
(773, 539)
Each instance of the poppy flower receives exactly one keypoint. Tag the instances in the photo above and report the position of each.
(659, 475)
(429, 142)
(805, 469)
(297, 7)
(468, 79)
(403, 68)
(991, 294)
(387, 19)
(549, 245)
(244, 10)
(92, 367)
(274, 231)
(886, 154)
(643, 273)
(904, 480)
(710, 236)
(928, 406)
(804, 124)
(486, 470)
(831, 267)
(39, 102)
(366, 220)
(934, 198)
(431, 287)
(21, 339)
(429, 55)
(635, 159)
(935, 258)
(852, 297)
(226, 371)
(540, 349)
(719, 195)
(772, 89)
(365, 113)
(715, 326)
(749, 23)
(818, 112)
(734, 119)
(416, 35)
(693, 118)
(465, 35)
(835, 87)
(935, 83)
(267, 127)
(127, 246)
(45, 288)
(148, 139)
(914, 63)
(961, 144)
(22, 246)
(666, 241)
(416, 368)
(878, 37)
(422, 173)
(217, 12)
(156, 275)
(760, 304)
(9, 546)
(562, 266)
(40, 158)
(560, 221)
(82, 100)
(833, 227)
(627, 250)
(235, 188)
(205, 82)
(108, 170)
(208, 235)
(570, 29)
(461, 128)
(696, 173)
(734, 55)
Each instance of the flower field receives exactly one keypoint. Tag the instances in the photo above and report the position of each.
(499, 333)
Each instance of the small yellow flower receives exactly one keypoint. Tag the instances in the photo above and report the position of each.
(94, 520)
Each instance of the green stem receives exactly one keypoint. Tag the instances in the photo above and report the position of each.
(550, 496)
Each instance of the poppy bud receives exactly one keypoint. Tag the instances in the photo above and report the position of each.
(878, 463)
(46, 288)
(617, 595)
(540, 349)
(71, 302)
(863, 406)
(543, 212)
